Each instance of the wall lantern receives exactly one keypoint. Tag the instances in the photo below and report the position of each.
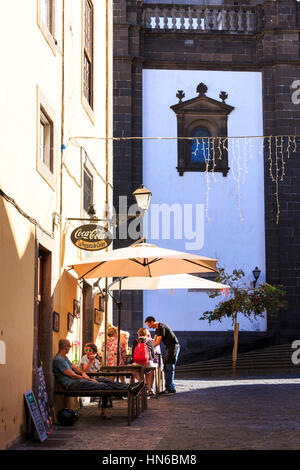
(142, 196)
(256, 273)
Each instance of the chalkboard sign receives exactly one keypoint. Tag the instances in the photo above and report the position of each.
(35, 415)
(43, 402)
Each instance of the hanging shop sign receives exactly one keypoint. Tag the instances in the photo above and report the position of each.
(91, 237)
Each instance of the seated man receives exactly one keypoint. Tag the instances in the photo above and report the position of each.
(72, 378)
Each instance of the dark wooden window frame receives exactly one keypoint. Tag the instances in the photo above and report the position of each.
(46, 140)
(207, 113)
(186, 147)
(85, 170)
(46, 116)
(88, 53)
(49, 21)
(47, 27)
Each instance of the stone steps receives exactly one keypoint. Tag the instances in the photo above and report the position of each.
(274, 358)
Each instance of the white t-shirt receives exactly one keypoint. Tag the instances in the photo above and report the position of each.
(95, 366)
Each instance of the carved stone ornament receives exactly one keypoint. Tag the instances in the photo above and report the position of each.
(180, 95)
(202, 89)
(223, 95)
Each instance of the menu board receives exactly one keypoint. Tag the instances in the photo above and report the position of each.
(35, 415)
(43, 402)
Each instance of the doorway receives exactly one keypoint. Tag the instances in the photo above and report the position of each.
(88, 314)
(43, 315)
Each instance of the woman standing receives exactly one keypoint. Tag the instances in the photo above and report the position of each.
(112, 350)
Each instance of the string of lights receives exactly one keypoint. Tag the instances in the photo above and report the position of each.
(183, 138)
(273, 150)
(87, 157)
(278, 148)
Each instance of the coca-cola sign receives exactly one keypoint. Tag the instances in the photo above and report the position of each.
(91, 237)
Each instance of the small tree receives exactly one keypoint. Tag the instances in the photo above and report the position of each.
(250, 301)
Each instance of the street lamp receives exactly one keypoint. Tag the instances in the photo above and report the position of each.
(256, 273)
(142, 196)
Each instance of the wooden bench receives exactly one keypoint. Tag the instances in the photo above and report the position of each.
(135, 404)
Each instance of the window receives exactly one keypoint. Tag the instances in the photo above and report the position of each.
(205, 119)
(46, 21)
(46, 140)
(46, 7)
(45, 144)
(87, 189)
(201, 151)
(88, 52)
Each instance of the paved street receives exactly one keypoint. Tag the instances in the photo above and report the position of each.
(208, 414)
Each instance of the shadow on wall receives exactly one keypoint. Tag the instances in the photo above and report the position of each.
(17, 271)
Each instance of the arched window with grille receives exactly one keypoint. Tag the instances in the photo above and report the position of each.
(201, 148)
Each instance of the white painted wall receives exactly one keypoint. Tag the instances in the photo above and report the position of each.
(30, 63)
(234, 231)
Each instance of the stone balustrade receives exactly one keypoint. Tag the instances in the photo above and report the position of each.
(180, 17)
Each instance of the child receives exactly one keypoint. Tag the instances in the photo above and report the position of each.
(145, 337)
(91, 361)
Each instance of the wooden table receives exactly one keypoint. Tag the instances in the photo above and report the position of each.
(103, 373)
(127, 369)
(130, 368)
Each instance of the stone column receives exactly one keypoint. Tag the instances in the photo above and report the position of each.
(127, 163)
(279, 56)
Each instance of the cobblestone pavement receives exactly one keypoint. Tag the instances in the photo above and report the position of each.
(207, 414)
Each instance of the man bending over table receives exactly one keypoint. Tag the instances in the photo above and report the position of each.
(73, 378)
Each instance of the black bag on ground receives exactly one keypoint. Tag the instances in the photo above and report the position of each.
(67, 417)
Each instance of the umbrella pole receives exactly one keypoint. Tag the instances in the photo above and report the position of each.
(105, 320)
(119, 304)
(119, 323)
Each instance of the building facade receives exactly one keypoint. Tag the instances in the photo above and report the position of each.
(178, 68)
(56, 161)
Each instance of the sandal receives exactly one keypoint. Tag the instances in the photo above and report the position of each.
(104, 414)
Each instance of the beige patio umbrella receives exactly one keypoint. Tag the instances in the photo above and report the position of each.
(174, 281)
(142, 259)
